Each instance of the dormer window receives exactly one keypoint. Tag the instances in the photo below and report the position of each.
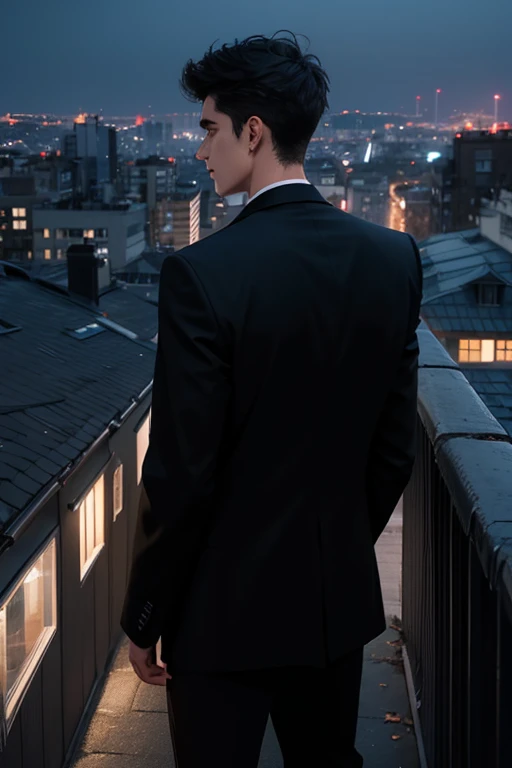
(489, 294)
(506, 225)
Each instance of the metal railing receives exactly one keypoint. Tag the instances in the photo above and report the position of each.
(457, 571)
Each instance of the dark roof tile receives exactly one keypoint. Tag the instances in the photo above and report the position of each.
(26, 483)
(49, 466)
(15, 449)
(14, 461)
(14, 496)
(58, 394)
(38, 474)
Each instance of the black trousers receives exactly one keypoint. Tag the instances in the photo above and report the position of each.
(220, 718)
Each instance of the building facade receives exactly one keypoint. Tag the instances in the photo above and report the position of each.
(94, 148)
(18, 197)
(70, 472)
(481, 168)
(368, 196)
(467, 300)
(117, 230)
(183, 218)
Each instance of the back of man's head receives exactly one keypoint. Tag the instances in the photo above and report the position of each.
(271, 78)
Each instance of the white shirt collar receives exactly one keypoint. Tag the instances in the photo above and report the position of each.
(277, 184)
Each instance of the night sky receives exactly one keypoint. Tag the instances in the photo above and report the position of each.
(125, 56)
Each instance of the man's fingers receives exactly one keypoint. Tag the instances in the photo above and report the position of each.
(151, 674)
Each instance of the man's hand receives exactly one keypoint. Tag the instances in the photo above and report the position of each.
(143, 661)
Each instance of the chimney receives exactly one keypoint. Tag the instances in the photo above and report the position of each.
(88, 274)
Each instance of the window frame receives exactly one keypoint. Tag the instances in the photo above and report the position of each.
(474, 346)
(506, 351)
(87, 566)
(482, 287)
(117, 486)
(10, 705)
(144, 423)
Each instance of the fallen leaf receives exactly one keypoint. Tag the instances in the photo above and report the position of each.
(395, 737)
(383, 685)
(408, 721)
(395, 627)
(395, 643)
(392, 717)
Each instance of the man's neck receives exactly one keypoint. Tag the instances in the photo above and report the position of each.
(260, 181)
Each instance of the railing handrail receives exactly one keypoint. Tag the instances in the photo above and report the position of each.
(474, 455)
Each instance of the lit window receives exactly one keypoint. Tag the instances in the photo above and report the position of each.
(47, 253)
(92, 526)
(29, 254)
(504, 349)
(89, 233)
(23, 224)
(118, 490)
(15, 213)
(46, 234)
(28, 622)
(476, 350)
(142, 445)
(22, 213)
(16, 225)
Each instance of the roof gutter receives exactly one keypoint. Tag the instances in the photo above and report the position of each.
(13, 532)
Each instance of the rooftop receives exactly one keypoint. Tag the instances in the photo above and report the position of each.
(452, 265)
(132, 309)
(67, 376)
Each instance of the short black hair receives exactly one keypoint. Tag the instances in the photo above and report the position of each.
(270, 77)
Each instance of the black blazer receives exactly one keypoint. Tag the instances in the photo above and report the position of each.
(282, 437)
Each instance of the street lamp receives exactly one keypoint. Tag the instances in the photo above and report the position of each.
(496, 102)
(438, 91)
(418, 99)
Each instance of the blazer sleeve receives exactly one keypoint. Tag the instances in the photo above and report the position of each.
(191, 396)
(393, 445)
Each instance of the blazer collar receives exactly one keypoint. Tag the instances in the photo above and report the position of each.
(287, 193)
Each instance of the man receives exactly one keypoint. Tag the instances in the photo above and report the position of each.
(282, 437)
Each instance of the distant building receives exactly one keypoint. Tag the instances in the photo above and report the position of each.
(118, 230)
(152, 181)
(94, 147)
(420, 222)
(368, 196)
(156, 136)
(496, 219)
(183, 218)
(481, 167)
(328, 176)
(467, 294)
(149, 180)
(17, 198)
(75, 410)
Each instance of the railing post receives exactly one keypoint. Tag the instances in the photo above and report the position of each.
(482, 645)
(504, 684)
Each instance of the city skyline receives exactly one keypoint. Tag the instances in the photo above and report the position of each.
(126, 58)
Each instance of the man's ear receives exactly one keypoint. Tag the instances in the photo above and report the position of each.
(255, 128)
